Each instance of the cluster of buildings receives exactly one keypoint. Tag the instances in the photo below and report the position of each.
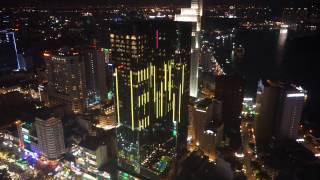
(42, 136)
(279, 112)
(140, 104)
(150, 65)
(76, 78)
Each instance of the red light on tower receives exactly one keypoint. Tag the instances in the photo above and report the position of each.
(157, 39)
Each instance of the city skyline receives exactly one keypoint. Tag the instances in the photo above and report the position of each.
(156, 90)
(177, 2)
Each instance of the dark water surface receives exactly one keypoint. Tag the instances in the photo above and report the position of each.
(290, 57)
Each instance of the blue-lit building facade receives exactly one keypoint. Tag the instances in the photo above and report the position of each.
(95, 60)
(42, 137)
(8, 51)
(28, 139)
(151, 93)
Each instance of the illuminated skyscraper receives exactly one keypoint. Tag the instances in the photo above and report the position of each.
(151, 93)
(293, 103)
(66, 79)
(205, 126)
(95, 73)
(50, 136)
(279, 114)
(193, 14)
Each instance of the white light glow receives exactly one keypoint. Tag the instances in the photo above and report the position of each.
(283, 31)
(296, 95)
(241, 155)
(188, 11)
(185, 18)
(189, 138)
(300, 140)
(248, 99)
(200, 110)
(299, 88)
(209, 132)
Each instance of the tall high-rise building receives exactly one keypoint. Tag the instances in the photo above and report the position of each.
(66, 79)
(230, 90)
(50, 136)
(293, 103)
(95, 73)
(193, 14)
(8, 51)
(151, 93)
(205, 126)
(280, 110)
(267, 104)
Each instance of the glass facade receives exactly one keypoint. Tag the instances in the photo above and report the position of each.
(151, 92)
(194, 15)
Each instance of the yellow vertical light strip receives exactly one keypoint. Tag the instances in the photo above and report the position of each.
(138, 76)
(144, 74)
(148, 94)
(148, 120)
(182, 79)
(142, 103)
(140, 125)
(117, 92)
(150, 75)
(169, 81)
(165, 77)
(157, 108)
(179, 103)
(148, 72)
(161, 94)
(154, 84)
(159, 100)
(139, 101)
(145, 121)
(132, 113)
(173, 106)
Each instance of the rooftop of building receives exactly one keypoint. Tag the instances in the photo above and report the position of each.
(142, 27)
(91, 142)
(203, 103)
(17, 79)
(64, 51)
(13, 107)
(289, 88)
(214, 125)
(44, 114)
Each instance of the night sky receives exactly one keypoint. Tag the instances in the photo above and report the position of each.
(273, 3)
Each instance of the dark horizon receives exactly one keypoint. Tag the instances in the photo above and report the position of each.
(159, 89)
(69, 3)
